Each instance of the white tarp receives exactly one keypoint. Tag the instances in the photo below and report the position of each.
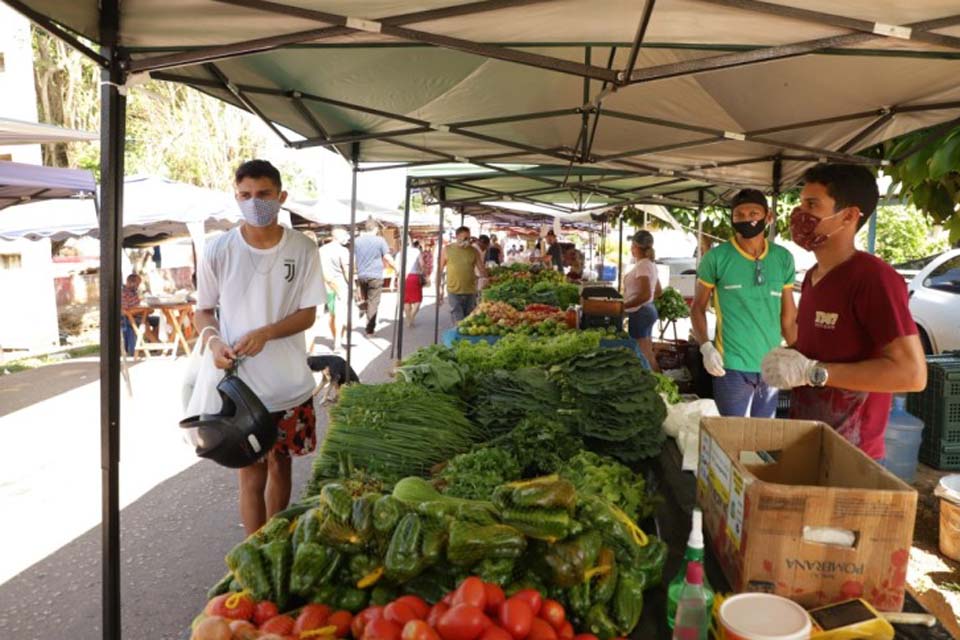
(335, 212)
(25, 182)
(21, 132)
(151, 207)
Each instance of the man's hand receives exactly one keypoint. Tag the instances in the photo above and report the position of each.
(786, 368)
(712, 360)
(223, 355)
(252, 343)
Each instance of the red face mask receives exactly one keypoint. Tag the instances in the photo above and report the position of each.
(803, 229)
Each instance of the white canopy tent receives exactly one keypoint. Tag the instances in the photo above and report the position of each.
(13, 132)
(21, 183)
(152, 207)
(333, 212)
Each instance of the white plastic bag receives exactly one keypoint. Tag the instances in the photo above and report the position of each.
(683, 423)
(199, 391)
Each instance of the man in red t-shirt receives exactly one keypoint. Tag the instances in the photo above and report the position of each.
(856, 341)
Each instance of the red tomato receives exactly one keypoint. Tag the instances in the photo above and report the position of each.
(495, 598)
(362, 619)
(461, 622)
(495, 633)
(419, 606)
(471, 592)
(585, 636)
(382, 629)
(541, 630)
(280, 625)
(232, 606)
(312, 616)
(263, 611)
(341, 620)
(243, 630)
(399, 612)
(532, 597)
(566, 632)
(436, 612)
(552, 611)
(418, 630)
(448, 599)
(516, 617)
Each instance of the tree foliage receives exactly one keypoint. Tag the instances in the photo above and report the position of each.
(903, 233)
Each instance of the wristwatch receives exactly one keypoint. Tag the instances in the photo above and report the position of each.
(818, 375)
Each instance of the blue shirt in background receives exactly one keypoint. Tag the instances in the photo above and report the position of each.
(370, 251)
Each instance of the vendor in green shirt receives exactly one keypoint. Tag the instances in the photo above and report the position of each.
(749, 282)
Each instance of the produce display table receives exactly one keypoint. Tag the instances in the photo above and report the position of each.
(679, 490)
(452, 335)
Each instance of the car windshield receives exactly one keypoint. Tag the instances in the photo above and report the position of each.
(946, 277)
(916, 265)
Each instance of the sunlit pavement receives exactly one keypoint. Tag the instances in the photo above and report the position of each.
(179, 515)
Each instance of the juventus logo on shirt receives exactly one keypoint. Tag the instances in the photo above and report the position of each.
(290, 270)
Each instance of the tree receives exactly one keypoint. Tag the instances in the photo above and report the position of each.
(903, 233)
(172, 131)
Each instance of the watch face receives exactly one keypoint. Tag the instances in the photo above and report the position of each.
(819, 376)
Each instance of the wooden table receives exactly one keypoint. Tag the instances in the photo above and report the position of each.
(180, 317)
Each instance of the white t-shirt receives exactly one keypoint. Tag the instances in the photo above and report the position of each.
(631, 281)
(413, 257)
(256, 287)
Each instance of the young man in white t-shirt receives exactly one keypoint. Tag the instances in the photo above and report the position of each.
(266, 282)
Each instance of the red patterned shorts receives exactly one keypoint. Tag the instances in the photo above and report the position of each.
(297, 429)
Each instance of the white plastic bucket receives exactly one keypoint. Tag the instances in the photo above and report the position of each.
(763, 616)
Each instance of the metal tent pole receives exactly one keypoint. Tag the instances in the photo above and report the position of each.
(112, 133)
(620, 257)
(777, 169)
(354, 155)
(699, 227)
(403, 269)
(872, 233)
(436, 310)
(603, 246)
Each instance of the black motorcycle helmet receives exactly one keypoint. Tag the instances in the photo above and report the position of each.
(239, 435)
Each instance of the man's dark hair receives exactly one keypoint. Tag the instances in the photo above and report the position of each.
(258, 169)
(849, 185)
(484, 238)
(462, 230)
(551, 233)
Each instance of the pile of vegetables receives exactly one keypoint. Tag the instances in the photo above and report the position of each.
(540, 444)
(516, 350)
(667, 388)
(610, 400)
(393, 430)
(500, 318)
(353, 552)
(601, 476)
(435, 368)
(500, 399)
(671, 306)
(520, 288)
(475, 475)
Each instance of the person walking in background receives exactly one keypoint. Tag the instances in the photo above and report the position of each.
(554, 252)
(428, 262)
(641, 286)
(259, 286)
(413, 287)
(856, 341)
(463, 263)
(335, 265)
(372, 254)
(750, 283)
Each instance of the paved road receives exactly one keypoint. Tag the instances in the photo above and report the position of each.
(179, 516)
(27, 388)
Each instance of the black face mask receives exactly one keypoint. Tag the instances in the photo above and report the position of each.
(750, 229)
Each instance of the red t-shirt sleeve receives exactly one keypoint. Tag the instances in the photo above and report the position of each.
(883, 306)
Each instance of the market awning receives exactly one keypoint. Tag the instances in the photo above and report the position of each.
(711, 91)
(331, 212)
(21, 183)
(14, 132)
(152, 207)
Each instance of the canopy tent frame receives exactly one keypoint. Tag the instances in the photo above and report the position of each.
(118, 63)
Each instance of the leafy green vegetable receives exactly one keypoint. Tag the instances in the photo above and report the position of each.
(540, 445)
(501, 399)
(609, 398)
(671, 305)
(393, 430)
(435, 369)
(476, 474)
(515, 351)
(597, 475)
(667, 387)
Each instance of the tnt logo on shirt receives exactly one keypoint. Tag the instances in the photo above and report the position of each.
(290, 269)
(826, 320)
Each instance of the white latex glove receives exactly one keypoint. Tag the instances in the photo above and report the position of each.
(712, 360)
(786, 368)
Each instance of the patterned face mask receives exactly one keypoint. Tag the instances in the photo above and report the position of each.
(259, 213)
(803, 229)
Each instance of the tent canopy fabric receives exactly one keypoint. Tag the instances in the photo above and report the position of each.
(717, 92)
(14, 132)
(152, 207)
(335, 212)
(21, 183)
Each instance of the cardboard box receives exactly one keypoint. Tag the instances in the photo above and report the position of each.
(759, 514)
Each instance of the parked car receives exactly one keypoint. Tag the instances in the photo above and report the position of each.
(935, 302)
